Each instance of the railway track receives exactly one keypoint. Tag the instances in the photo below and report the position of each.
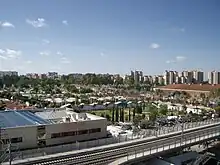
(104, 157)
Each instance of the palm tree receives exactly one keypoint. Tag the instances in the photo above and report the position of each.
(113, 113)
(106, 105)
(129, 110)
(117, 111)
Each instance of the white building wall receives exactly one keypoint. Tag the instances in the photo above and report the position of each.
(28, 134)
(75, 126)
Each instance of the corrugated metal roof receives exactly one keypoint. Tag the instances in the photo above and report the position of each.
(51, 114)
(15, 118)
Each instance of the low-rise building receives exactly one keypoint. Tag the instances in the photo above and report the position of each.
(25, 129)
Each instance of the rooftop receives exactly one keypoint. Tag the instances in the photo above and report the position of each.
(14, 118)
(62, 116)
(198, 87)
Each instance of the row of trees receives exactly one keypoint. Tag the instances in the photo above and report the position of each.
(135, 112)
(67, 80)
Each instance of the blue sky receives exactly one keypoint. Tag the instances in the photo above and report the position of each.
(112, 36)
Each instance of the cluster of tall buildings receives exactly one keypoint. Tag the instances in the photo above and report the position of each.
(174, 77)
(8, 73)
(214, 77)
(137, 77)
(184, 77)
(44, 75)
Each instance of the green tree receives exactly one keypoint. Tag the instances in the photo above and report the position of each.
(153, 114)
(163, 110)
(113, 114)
(144, 124)
(217, 110)
(139, 109)
(129, 114)
(108, 117)
(2, 105)
(136, 120)
(117, 114)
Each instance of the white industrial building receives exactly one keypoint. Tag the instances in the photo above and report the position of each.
(26, 129)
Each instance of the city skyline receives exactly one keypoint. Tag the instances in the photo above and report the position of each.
(109, 36)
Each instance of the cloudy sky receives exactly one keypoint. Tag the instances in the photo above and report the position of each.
(109, 36)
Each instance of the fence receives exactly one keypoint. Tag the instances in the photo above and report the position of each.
(106, 141)
(156, 148)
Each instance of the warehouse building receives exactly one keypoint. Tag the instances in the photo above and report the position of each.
(25, 129)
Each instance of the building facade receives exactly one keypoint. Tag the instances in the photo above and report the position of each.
(214, 77)
(8, 73)
(26, 130)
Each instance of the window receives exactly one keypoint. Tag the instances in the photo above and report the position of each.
(13, 140)
(81, 132)
(55, 135)
(71, 133)
(5, 141)
(95, 130)
(16, 140)
(42, 127)
(63, 134)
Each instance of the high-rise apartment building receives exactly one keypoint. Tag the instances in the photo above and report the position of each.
(214, 77)
(210, 77)
(172, 76)
(198, 76)
(137, 77)
(52, 74)
(166, 77)
(8, 73)
(188, 77)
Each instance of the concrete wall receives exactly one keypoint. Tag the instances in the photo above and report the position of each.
(68, 127)
(28, 134)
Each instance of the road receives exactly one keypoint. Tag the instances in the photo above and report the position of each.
(106, 154)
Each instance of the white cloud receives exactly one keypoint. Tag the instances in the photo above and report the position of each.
(102, 54)
(28, 62)
(170, 61)
(45, 53)
(13, 53)
(64, 60)
(65, 22)
(3, 57)
(154, 46)
(59, 53)
(38, 23)
(2, 51)
(180, 58)
(9, 54)
(177, 59)
(45, 42)
(6, 24)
